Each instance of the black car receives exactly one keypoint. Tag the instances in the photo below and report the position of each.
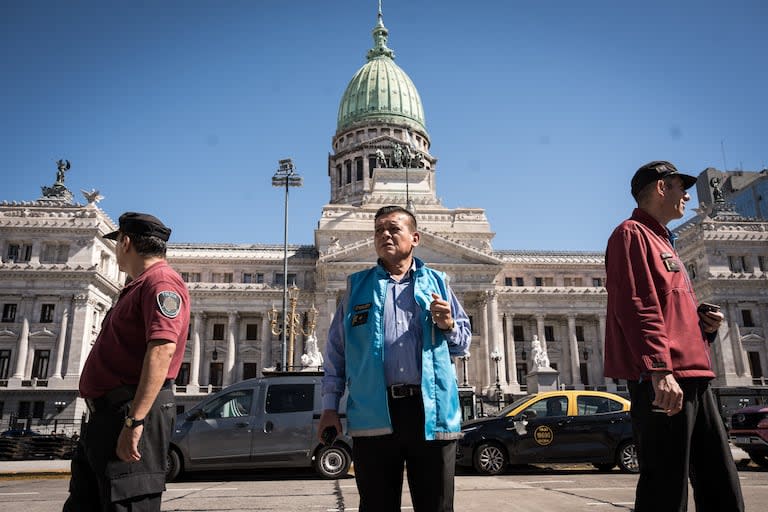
(552, 427)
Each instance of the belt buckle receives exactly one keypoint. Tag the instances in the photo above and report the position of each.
(394, 390)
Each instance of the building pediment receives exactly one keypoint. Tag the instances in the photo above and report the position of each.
(433, 249)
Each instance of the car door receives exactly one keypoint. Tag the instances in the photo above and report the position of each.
(220, 430)
(284, 433)
(596, 429)
(545, 436)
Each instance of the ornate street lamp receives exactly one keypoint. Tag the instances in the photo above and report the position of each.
(286, 176)
(496, 357)
(292, 325)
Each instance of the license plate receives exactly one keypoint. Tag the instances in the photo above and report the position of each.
(741, 440)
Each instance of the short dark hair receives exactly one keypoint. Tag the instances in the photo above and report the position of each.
(148, 245)
(387, 210)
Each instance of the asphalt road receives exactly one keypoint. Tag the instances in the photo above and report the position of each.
(539, 488)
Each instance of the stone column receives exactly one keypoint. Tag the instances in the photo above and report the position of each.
(198, 320)
(510, 354)
(266, 342)
(573, 345)
(61, 341)
(540, 331)
(735, 335)
(484, 355)
(24, 311)
(229, 363)
(81, 337)
(599, 349)
(495, 332)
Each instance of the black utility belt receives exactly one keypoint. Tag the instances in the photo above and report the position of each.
(404, 390)
(115, 398)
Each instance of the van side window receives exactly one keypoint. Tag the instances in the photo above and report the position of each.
(230, 405)
(290, 398)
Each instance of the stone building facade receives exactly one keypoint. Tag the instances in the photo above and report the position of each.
(58, 276)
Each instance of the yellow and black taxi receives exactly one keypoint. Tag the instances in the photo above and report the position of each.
(552, 427)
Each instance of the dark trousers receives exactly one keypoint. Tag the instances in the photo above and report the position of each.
(100, 482)
(379, 462)
(689, 445)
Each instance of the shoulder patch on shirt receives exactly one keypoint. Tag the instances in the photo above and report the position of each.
(359, 318)
(362, 307)
(169, 303)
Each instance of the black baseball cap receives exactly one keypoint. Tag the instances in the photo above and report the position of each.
(141, 224)
(656, 170)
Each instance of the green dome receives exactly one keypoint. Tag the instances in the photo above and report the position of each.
(381, 91)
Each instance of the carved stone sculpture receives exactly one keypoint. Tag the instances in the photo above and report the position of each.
(540, 357)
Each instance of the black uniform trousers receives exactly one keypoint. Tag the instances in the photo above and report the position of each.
(691, 445)
(101, 482)
(379, 461)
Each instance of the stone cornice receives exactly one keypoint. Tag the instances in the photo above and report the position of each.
(551, 257)
(241, 253)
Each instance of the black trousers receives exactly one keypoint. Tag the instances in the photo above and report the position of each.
(689, 445)
(101, 482)
(379, 462)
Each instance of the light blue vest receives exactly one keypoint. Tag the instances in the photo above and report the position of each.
(367, 409)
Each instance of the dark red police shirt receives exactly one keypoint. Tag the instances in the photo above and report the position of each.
(154, 306)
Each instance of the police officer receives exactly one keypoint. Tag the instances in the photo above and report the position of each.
(128, 376)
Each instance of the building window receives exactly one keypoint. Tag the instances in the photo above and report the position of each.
(348, 165)
(549, 333)
(359, 169)
(252, 331)
(573, 281)
(538, 281)
(19, 253)
(522, 371)
(190, 277)
(471, 325)
(218, 331)
(517, 332)
(250, 370)
(247, 278)
(182, 379)
(579, 333)
(584, 371)
(40, 364)
(216, 374)
(5, 363)
(755, 368)
(54, 253)
(24, 408)
(762, 262)
(371, 165)
(38, 410)
(736, 263)
(338, 175)
(597, 282)
(279, 279)
(46, 313)
(746, 318)
(507, 281)
(519, 281)
(221, 277)
(9, 312)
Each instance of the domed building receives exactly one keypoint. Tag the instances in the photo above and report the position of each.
(58, 276)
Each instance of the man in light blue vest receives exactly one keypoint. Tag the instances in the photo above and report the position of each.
(390, 346)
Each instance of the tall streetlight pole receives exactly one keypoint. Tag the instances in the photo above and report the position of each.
(496, 357)
(286, 176)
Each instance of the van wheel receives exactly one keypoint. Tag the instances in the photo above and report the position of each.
(490, 459)
(173, 465)
(626, 457)
(332, 461)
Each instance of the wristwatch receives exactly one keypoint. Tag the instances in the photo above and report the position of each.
(131, 422)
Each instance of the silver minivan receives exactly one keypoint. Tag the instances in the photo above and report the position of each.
(266, 422)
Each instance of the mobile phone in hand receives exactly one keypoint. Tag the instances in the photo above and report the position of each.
(706, 307)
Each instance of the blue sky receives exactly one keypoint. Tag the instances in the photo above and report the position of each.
(538, 111)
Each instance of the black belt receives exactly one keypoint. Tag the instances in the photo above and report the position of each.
(114, 398)
(404, 390)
